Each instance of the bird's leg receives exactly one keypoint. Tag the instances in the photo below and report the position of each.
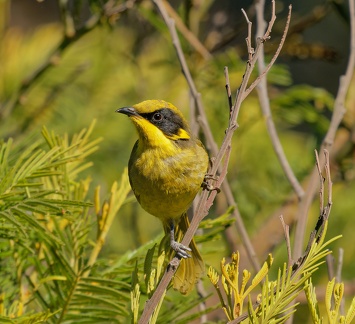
(179, 248)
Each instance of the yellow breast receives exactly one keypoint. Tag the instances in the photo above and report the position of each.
(165, 182)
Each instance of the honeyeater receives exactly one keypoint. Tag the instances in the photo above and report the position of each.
(166, 169)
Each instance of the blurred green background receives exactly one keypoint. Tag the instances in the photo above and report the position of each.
(111, 59)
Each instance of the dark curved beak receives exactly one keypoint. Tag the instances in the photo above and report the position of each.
(129, 111)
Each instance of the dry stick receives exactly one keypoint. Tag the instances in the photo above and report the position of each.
(209, 137)
(271, 63)
(266, 111)
(286, 229)
(188, 35)
(338, 277)
(330, 266)
(206, 198)
(337, 117)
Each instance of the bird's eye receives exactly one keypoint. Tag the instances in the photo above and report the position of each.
(157, 116)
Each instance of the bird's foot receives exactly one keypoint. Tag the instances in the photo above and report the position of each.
(206, 185)
(180, 249)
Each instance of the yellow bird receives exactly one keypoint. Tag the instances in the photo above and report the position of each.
(166, 169)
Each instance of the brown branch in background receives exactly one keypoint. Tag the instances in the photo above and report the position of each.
(330, 266)
(339, 279)
(332, 273)
(321, 182)
(188, 35)
(286, 229)
(265, 106)
(250, 49)
(337, 116)
(207, 197)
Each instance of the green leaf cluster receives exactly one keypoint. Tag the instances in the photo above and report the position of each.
(49, 268)
(275, 302)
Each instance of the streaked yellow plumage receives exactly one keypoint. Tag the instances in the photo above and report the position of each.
(166, 169)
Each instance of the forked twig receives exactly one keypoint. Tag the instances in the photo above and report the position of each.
(265, 104)
(271, 63)
(250, 49)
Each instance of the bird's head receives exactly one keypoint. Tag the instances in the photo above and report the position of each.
(157, 122)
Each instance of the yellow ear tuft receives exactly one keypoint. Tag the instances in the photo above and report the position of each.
(182, 134)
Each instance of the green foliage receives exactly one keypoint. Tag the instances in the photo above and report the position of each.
(333, 300)
(235, 296)
(46, 254)
(274, 303)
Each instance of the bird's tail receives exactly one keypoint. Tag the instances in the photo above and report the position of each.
(191, 269)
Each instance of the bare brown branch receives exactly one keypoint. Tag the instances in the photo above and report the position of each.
(265, 101)
(188, 35)
(250, 49)
(286, 229)
(268, 67)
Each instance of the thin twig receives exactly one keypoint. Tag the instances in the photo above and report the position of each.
(286, 229)
(329, 180)
(250, 49)
(339, 265)
(330, 266)
(271, 63)
(339, 279)
(321, 183)
(265, 103)
(188, 35)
